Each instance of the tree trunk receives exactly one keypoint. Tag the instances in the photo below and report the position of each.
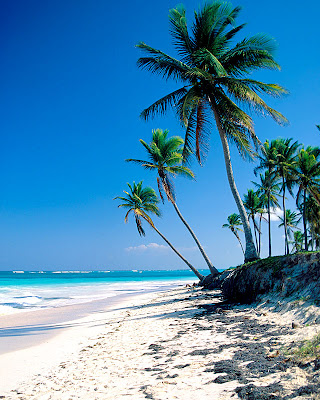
(212, 269)
(259, 233)
(255, 228)
(304, 221)
(250, 252)
(269, 225)
(286, 244)
(194, 270)
(237, 236)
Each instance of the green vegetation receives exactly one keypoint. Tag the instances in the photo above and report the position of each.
(234, 221)
(307, 351)
(213, 70)
(165, 157)
(142, 201)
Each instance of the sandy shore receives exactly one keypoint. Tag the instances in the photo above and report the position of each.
(180, 344)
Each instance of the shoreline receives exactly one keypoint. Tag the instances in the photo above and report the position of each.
(35, 340)
(182, 343)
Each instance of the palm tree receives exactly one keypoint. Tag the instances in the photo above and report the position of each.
(313, 217)
(141, 201)
(308, 179)
(286, 160)
(213, 73)
(253, 205)
(268, 157)
(234, 221)
(268, 188)
(297, 242)
(290, 221)
(165, 157)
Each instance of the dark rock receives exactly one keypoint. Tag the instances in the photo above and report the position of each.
(251, 392)
(316, 364)
(297, 274)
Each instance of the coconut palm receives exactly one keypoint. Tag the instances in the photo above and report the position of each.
(253, 205)
(290, 221)
(141, 201)
(297, 242)
(285, 164)
(308, 181)
(165, 157)
(268, 188)
(213, 73)
(313, 218)
(234, 221)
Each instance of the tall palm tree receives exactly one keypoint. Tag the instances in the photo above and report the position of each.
(213, 73)
(268, 188)
(286, 161)
(253, 205)
(290, 221)
(234, 221)
(308, 181)
(141, 201)
(165, 157)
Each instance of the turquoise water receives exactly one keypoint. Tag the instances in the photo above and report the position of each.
(25, 290)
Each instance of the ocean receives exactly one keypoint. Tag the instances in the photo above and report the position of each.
(32, 290)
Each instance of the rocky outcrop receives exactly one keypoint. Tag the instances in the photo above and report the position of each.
(295, 276)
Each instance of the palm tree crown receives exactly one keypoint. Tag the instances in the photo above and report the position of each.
(234, 222)
(140, 201)
(213, 73)
(165, 156)
(292, 219)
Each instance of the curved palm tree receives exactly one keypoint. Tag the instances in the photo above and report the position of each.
(308, 180)
(234, 221)
(286, 161)
(290, 221)
(141, 201)
(165, 157)
(213, 73)
(268, 188)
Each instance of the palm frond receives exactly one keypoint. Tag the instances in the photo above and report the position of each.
(248, 97)
(205, 57)
(179, 32)
(161, 106)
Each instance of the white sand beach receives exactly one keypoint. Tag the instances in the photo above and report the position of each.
(164, 346)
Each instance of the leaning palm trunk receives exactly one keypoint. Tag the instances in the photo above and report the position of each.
(250, 252)
(286, 242)
(237, 236)
(255, 229)
(212, 269)
(195, 271)
(269, 225)
(259, 247)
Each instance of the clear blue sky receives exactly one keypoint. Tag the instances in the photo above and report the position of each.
(70, 99)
